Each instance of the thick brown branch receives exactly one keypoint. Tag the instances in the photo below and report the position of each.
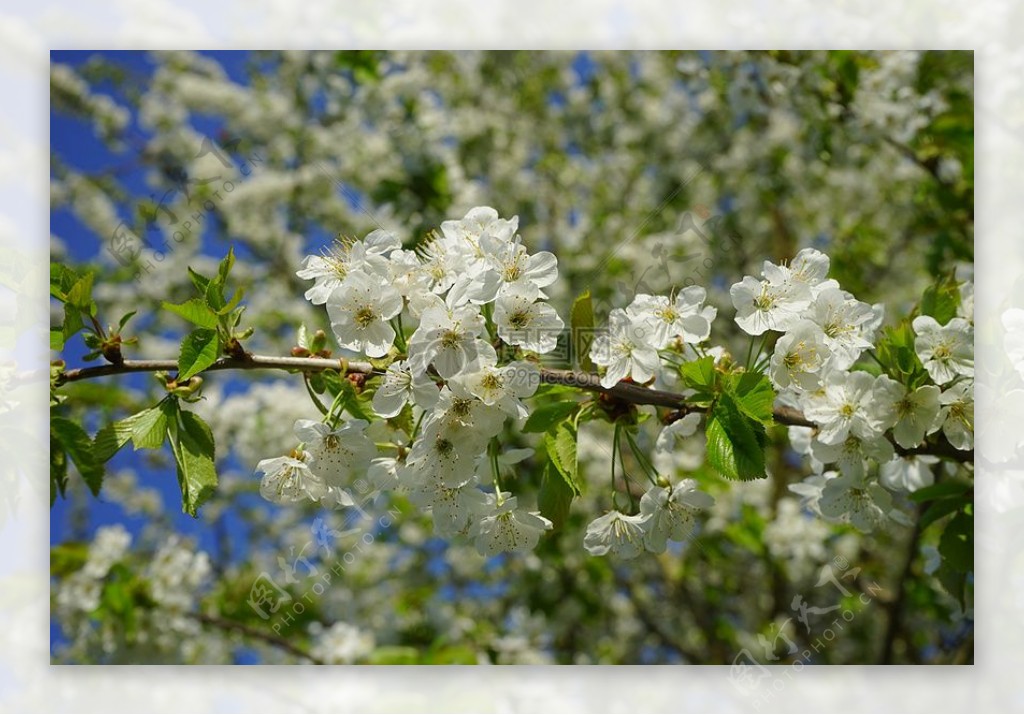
(625, 391)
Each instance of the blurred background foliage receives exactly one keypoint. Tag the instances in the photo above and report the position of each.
(642, 172)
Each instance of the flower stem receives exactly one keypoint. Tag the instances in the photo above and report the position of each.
(312, 395)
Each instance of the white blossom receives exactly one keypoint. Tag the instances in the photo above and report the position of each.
(916, 411)
(287, 480)
(946, 351)
(400, 386)
(848, 404)
(616, 533)
(528, 323)
(800, 357)
(448, 339)
(847, 324)
(337, 453)
(625, 350)
(685, 317)
(671, 513)
(360, 309)
(766, 305)
(508, 528)
(329, 270)
(503, 387)
(957, 414)
(908, 474)
(857, 501)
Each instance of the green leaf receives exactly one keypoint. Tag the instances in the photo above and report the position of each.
(200, 281)
(937, 510)
(942, 490)
(78, 445)
(56, 339)
(955, 583)
(67, 558)
(555, 496)
(754, 395)
(62, 279)
(735, 443)
(58, 469)
(195, 311)
(699, 374)
(354, 403)
(192, 444)
(146, 430)
(215, 295)
(545, 416)
(941, 300)
(561, 446)
(230, 305)
(956, 545)
(582, 328)
(897, 355)
(394, 655)
(72, 322)
(124, 320)
(80, 295)
(199, 350)
(225, 266)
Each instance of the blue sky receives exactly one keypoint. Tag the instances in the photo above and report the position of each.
(75, 142)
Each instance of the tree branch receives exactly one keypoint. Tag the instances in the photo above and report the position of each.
(256, 634)
(625, 391)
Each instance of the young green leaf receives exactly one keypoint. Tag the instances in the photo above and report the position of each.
(199, 281)
(80, 295)
(225, 266)
(124, 320)
(192, 444)
(942, 490)
(62, 279)
(78, 445)
(58, 469)
(555, 496)
(582, 328)
(194, 311)
(545, 416)
(700, 374)
(735, 443)
(941, 300)
(561, 445)
(146, 430)
(753, 394)
(956, 545)
(199, 350)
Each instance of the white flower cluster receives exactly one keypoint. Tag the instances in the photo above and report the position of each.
(341, 644)
(174, 578)
(473, 277)
(824, 332)
(629, 347)
(666, 513)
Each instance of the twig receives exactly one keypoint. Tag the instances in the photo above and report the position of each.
(625, 391)
(250, 632)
